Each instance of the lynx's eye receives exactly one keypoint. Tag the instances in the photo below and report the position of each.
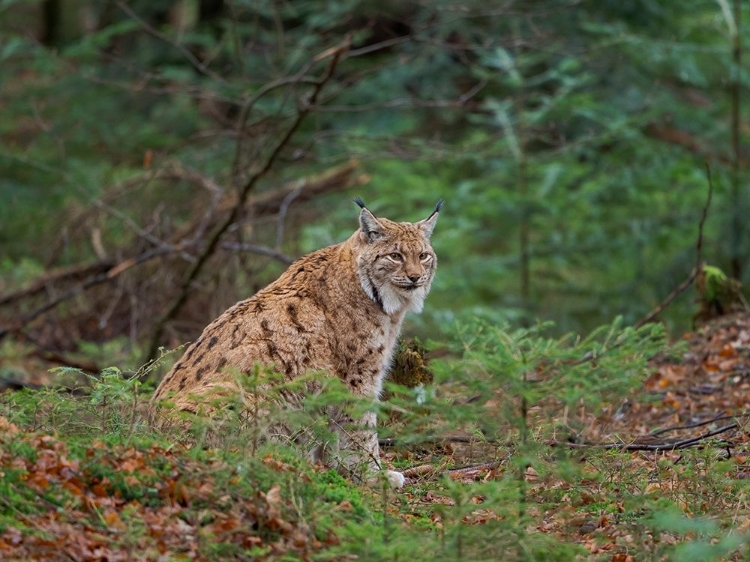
(395, 256)
(424, 256)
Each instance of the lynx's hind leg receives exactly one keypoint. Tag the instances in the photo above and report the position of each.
(358, 450)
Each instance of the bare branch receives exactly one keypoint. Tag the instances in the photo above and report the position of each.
(213, 242)
(283, 209)
(202, 68)
(89, 282)
(58, 358)
(298, 78)
(56, 276)
(651, 316)
(378, 46)
(189, 237)
(269, 202)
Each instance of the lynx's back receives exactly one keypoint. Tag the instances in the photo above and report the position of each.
(336, 311)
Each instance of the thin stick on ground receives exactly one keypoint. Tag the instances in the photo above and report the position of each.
(483, 466)
(666, 446)
(698, 424)
(428, 472)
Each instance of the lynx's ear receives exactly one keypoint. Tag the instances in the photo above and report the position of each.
(428, 225)
(371, 228)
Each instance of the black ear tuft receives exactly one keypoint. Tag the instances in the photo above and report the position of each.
(428, 224)
(371, 228)
(438, 208)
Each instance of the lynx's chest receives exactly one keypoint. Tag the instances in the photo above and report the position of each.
(366, 357)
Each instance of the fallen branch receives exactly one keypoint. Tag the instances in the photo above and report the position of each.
(56, 276)
(681, 288)
(665, 446)
(88, 283)
(237, 210)
(698, 424)
(105, 271)
(172, 172)
(59, 359)
(424, 471)
(13, 384)
(421, 471)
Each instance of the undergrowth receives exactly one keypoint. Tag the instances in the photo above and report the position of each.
(90, 473)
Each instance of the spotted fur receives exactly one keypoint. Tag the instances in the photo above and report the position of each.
(337, 310)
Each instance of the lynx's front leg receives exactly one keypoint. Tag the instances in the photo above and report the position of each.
(359, 452)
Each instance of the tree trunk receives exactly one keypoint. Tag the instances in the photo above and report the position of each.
(51, 22)
(736, 156)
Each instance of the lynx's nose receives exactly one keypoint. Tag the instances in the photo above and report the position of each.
(413, 277)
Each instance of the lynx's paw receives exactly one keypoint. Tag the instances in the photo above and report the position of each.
(395, 479)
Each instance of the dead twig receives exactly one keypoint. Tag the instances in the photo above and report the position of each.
(269, 202)
(651, 316)
(259, 250)
(247, 107)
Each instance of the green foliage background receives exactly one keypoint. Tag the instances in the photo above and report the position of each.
(590, 120)
(567, 135)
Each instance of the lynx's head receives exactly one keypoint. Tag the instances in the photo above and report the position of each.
(395, 261)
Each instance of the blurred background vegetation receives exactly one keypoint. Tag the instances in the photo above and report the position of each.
(161, 159)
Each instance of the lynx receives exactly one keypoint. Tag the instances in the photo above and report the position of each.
(337, 311)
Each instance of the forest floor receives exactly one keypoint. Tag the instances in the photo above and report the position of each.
(679, 444)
